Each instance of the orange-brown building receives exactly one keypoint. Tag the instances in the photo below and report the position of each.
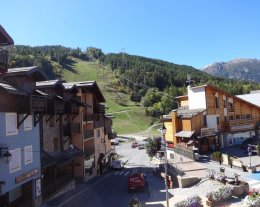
(209, 118)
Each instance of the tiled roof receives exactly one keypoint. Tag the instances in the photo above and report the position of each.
(185, 112)
(5, 87)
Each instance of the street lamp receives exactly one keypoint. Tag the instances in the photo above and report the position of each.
(163, 132)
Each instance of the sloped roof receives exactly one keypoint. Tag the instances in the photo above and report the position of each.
(36, 72)
(185, 112)
(6, 88)
(5, 38)
(253, 98)
(184, 134)
(69, 86)
(49, 84)
(91, 86)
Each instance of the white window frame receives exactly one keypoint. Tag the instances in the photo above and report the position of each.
(15, 124)
(28, 123)
(18, 159)
(28, 151)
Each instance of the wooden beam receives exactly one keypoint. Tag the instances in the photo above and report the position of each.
(20, 122)
(48, 119)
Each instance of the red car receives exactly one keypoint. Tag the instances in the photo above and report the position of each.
(136, 181)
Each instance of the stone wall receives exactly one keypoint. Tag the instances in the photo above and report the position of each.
(187, 181)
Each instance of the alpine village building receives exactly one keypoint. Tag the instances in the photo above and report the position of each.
(209, 118)
(52, 133)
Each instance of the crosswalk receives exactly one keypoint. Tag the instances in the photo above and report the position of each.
(121, 173)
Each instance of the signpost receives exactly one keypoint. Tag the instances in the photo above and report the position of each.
(249, 150)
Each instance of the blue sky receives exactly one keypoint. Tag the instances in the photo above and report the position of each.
(191, 32)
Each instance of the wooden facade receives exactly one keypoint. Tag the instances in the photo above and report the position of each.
(221, 115)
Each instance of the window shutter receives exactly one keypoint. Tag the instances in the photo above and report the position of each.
(28, 123)
(11, 124)
(28, 155)
(15, 163)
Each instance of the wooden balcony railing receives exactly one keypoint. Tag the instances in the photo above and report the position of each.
(241, 124)
(70, 128)
(88, 133)
(38, 104)
(55, 107)
(3, 60)
(71, 108)
(99, 108)
(99, 124)
(89, 151)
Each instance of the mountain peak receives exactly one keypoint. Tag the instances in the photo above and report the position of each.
(239, 69)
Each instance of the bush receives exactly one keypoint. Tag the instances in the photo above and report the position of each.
(220, 194)
(216, 156)
(193, 201)
(210, 173)
(253, 198)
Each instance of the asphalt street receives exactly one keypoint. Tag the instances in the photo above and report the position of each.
(111, 190)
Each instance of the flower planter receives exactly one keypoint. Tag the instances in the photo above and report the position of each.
(239, 190)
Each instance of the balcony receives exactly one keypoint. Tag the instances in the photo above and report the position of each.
(71, 107)
(88, 134)
(241, 124)
(55, 107)
(38, 104)
(99, 124)
(99, 108)
(70, 128)
(3, 60)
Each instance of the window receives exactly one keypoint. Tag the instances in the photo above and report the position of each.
(11, 124)
(56, 144)
(51, 121)
(217, 119)
(28, 123)
(231, 117)
(205, 120)
(216, 102)
(237, 116)
(15, 163)
(230, 105)
(225, 118)
(248, 116)
(224, 103)
(28, 155)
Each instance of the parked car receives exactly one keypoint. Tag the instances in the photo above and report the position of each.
(114, 141)
(141, 146)
(117, 164)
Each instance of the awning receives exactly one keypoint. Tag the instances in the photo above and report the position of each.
(184, 134)
(47, 160)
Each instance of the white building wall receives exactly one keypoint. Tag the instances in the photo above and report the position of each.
(212, 121)
(197, 98)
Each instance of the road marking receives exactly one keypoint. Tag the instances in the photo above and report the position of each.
(116, 172)
(121, 173)
(126, 173)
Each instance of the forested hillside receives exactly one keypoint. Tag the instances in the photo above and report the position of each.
(148, 82)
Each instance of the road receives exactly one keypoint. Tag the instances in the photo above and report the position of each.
(111, 190)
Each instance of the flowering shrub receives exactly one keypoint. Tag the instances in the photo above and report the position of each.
(220, 177)
(210, 173)
(193, 201)
(253, 198)
(220, 194)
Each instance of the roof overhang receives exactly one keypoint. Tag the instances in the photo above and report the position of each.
(5, 38)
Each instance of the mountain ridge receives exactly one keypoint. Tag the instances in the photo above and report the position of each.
(238, 69)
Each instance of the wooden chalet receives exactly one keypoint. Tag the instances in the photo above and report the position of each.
(5, 40)
(210, 118)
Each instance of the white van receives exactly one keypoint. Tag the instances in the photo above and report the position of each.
(117, 164)
(114, 141)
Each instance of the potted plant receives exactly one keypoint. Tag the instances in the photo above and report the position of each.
(253, 198)
(217, 156)
(221, 194)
